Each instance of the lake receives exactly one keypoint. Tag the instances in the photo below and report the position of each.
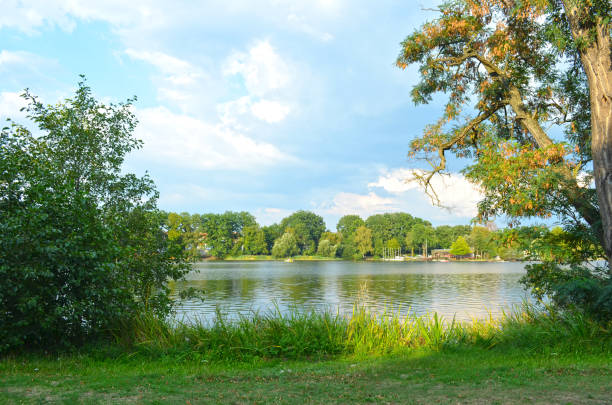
(461, 289)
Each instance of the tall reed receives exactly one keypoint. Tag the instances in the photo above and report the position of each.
(314, 334)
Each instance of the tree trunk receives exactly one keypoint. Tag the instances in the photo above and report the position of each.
(598, 67)
(600, 86)
(596, 58)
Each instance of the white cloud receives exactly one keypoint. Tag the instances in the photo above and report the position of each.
(262, 68)
(271, 215)
(178, 81)
(270, 111)
(267, 80)
(359, 204)
(454, 191)
(178, 139)
(10, 104)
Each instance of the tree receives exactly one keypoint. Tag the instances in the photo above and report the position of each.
(424, 235)
(326, 248)
(393, 244)
(254, 240)
(460, 247)
(410, 242)
(307, 227)
(363, 240)
(527, 65)
(348, 224)
(482, 240)
(83, 246)
(286, 246)
(224, 230)
(271, 233)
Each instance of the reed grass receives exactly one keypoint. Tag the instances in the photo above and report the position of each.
(318, 335)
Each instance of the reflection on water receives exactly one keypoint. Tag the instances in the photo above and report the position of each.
(463, 289)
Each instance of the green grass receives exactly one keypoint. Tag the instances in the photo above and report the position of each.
(319, 335)
(532, 356)
(466, 375)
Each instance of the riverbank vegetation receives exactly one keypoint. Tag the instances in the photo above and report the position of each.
(326, 357)
(83, 247)
(303, 234)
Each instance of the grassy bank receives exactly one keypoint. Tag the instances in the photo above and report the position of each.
(466, 375)
(529, 356)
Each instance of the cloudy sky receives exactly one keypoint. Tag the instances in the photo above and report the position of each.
(267, 106)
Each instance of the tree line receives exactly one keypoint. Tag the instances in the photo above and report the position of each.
(234, 234)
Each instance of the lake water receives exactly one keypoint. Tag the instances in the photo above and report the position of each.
(461, 289)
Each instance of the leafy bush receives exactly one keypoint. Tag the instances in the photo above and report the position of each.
(326, 248)
(82, 246)
(285, 246)
(588, 289)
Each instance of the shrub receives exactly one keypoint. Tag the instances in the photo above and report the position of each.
(285, 246)
(82, 246)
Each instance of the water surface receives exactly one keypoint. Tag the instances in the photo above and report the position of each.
(461, 289)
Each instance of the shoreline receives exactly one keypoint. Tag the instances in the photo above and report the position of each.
(335, 259)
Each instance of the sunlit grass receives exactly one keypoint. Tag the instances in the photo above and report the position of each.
(318, 335)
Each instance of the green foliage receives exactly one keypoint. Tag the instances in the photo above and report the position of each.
(82, 245)
(298, 335)
(524, 69)
(286, 246)
(307, 227)
(483, 241)
(460, 247)
(347, 250)
(587, 288)
(348, 224)
(271, 233)
(424, 235)
(363, 240)
(445, 235)
(326, 249)
(224, 230)
(254, 240)
(388, 226)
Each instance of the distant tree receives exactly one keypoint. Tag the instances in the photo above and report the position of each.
(460, 247)
(348, 224)
(271, 233)
(363, 240)
(308, 228)
(410, 242)
(254, 240)
(224, 230)
(286, 246)
(424, 235)
(393, 244)
(335, 238)
(326, 249)
(483, 241)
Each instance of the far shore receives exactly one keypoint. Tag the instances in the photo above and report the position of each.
(268, 258)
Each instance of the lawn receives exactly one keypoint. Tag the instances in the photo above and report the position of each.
(460, 375)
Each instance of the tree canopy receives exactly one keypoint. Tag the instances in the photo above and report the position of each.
(529, 102)
(511, 70)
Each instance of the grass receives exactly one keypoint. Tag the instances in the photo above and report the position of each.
(468, 375)
(533, 356)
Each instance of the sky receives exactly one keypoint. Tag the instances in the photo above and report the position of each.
(266, 106)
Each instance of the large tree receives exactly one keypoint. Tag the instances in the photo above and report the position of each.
(511, 71)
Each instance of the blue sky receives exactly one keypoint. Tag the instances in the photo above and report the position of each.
(264, 106)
